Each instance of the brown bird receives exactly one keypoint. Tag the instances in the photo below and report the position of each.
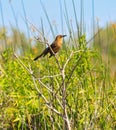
(54, 47)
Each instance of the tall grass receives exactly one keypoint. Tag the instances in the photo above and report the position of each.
(73, 90)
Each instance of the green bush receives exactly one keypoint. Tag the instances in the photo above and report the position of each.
(29, 91)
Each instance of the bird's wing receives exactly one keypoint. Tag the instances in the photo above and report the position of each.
(53, 45)
(45, 52)
(55, 48)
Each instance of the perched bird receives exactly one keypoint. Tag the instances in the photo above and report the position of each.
(54, 47)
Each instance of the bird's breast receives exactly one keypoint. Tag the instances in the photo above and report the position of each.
(59, 43)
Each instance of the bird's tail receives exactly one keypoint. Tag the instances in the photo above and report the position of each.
(44, 53)
(38, 57)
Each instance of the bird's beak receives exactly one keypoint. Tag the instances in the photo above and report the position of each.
(64, 35)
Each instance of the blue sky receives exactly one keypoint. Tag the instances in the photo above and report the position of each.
(104, 10)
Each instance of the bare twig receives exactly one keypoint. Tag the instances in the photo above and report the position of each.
(74, 67)
(31, 73)
(46, 101)
(68, 60)
(21, 63)
(64, 66)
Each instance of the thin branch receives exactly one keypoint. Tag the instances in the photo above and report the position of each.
(74, 67)
(31, 73)
(54, 95)
(21, 63)
(46, 101)
(68, 60)
(45, 86)
(34, 27)
(64, 70)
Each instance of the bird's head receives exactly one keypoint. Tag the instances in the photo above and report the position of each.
(59, 38)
